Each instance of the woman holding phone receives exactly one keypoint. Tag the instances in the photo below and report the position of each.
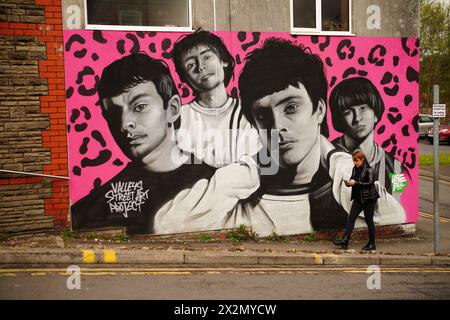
(364, 196)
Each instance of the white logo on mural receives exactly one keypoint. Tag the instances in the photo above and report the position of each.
(126, 196)
(374, 19)
(374, 280)
(399, 182)
(74, 280)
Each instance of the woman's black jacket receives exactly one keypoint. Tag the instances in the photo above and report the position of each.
(364, 189)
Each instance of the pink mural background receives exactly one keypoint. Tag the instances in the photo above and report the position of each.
(393, 67)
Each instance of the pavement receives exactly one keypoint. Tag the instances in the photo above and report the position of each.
(214, 249)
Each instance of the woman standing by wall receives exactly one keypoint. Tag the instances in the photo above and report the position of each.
(364, 196)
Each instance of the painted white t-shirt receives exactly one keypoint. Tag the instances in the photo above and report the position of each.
(218, 136)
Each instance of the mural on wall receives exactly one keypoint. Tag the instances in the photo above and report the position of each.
(181, 132)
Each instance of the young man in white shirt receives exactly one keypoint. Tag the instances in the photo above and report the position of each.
(213, 127)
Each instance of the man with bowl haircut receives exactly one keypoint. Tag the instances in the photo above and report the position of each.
(141, 105)
(356, 108)
(283, 87)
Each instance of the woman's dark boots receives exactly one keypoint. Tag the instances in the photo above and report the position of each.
(370, 246)
(343, 243)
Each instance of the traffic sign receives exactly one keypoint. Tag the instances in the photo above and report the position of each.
(438, 110)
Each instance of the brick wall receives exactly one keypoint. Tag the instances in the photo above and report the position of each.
(32, 116)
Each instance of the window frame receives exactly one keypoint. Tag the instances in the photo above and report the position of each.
(89, 26)
(318, 29)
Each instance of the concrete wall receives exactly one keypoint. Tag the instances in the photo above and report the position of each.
(397, 18)
(370, 17)
(32, 105)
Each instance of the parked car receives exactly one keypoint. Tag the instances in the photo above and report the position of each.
(425, 122)
(444, 134)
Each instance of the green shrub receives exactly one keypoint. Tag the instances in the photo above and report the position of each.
(205, 238)
(92, 236)
(276, 237)
(241, 234)
(310, 237)
(67, 235)
(121, 237)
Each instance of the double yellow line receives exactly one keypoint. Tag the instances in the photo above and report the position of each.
(212, 271)
(431, 216)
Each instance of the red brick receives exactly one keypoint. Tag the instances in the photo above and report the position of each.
(52, 201)
(19, 181)
(60, 161)
(14, 25)
(55, 21)
(60, 206)
(46, 38)
(53, 8)
(59, 172)
(53, 45)
(62, 137)
(56, 150)
(6, 31)
(34, 180)
(54, 105)
(32, 32)
(46, 63)
(54, 33)
(56, 69)
(53, 56)
(47, 74)
(44, 2)
(56, 80)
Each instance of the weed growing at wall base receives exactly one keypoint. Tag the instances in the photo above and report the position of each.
(121, 238)
(276, 237)
(92, 236)
(205, 238)
(241, 234)
(310, 237)
(67, 235)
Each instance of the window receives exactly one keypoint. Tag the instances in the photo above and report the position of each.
(139, 15)
(321, 16)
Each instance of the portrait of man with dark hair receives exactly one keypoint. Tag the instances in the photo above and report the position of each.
(283, 87)
(141, 106)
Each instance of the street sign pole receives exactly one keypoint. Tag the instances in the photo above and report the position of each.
(436, 172)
